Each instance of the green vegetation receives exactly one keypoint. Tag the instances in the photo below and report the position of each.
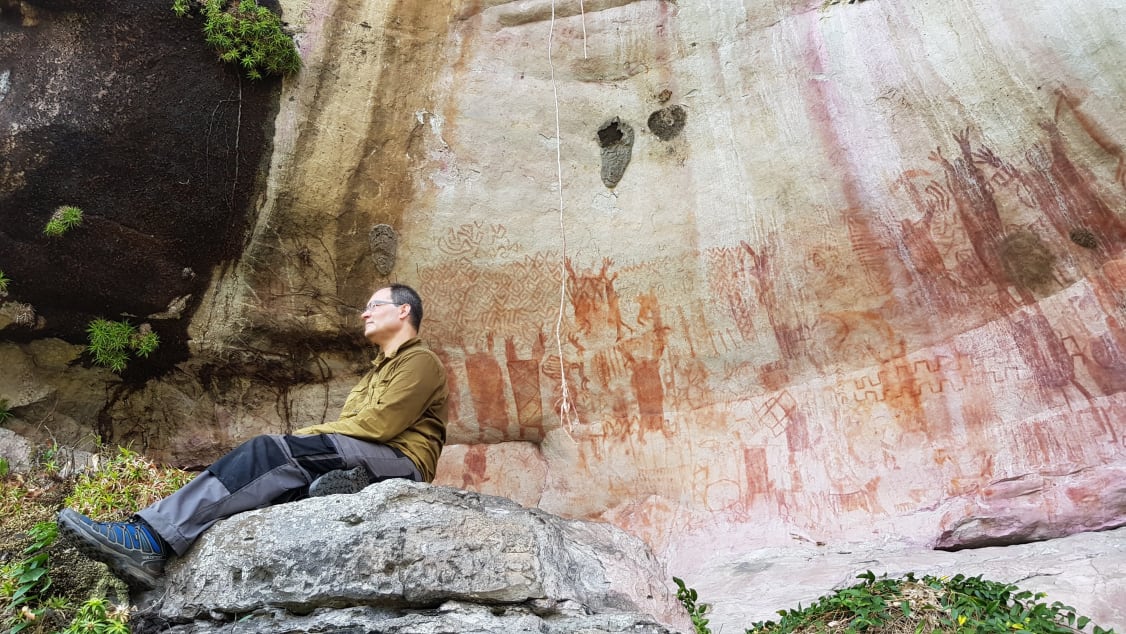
(144, 342)
(121, 485)
(4, 280)
(24, 583)
(687, 597)
(44, 587)
(5, 410)
(94, 617)
(112, 342)
(931, 605)
(246, 34)
(48, 460)
(64, 219)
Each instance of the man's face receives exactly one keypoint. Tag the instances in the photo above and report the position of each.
(381, 316)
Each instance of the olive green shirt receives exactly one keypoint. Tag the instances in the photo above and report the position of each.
(401, 402)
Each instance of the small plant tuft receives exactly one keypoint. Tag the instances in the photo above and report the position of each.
(688, 597)
(50, 459)
(4, 281)
(246, 34)
(113, 342)
(95, 615)
(64, 219)
(5, 410)
(145, 341)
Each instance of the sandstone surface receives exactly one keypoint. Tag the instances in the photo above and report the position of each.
(866, 289)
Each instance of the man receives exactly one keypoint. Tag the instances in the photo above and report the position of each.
(393, 425)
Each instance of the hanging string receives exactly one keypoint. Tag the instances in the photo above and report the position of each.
(565, 401)
(582, 15)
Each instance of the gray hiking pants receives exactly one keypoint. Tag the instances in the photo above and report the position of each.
(266, 470)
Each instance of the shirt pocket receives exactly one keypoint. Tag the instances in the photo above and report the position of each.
(360, 397)
(379, 390)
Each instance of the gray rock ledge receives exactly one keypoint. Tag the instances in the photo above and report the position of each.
(404, 557)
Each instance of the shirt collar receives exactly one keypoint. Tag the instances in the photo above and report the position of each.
(409, 343)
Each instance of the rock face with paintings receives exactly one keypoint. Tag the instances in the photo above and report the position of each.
(714, 272)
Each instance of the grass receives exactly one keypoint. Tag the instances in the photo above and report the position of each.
(63, 220)
(907, 605)
(4, 281)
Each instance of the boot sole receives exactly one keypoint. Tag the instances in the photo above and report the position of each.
(89, 543)
(340, 482)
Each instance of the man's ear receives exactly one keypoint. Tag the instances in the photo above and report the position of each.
(404, 311)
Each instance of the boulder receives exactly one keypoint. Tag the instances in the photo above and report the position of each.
(52, 402)
(408, 557)
(1034, 507)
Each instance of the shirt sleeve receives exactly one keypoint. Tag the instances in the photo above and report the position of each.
(396, 400)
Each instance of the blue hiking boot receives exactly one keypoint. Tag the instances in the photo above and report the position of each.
(340, 481)
(132, 550)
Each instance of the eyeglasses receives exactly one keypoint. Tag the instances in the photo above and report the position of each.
(380, 302)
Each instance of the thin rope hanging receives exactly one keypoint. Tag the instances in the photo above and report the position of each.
(565, 401)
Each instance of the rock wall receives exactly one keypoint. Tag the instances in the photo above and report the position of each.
(716, 273)
(125, 113)
(845, 272)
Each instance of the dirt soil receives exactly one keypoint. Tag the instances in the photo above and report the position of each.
(120, 108)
